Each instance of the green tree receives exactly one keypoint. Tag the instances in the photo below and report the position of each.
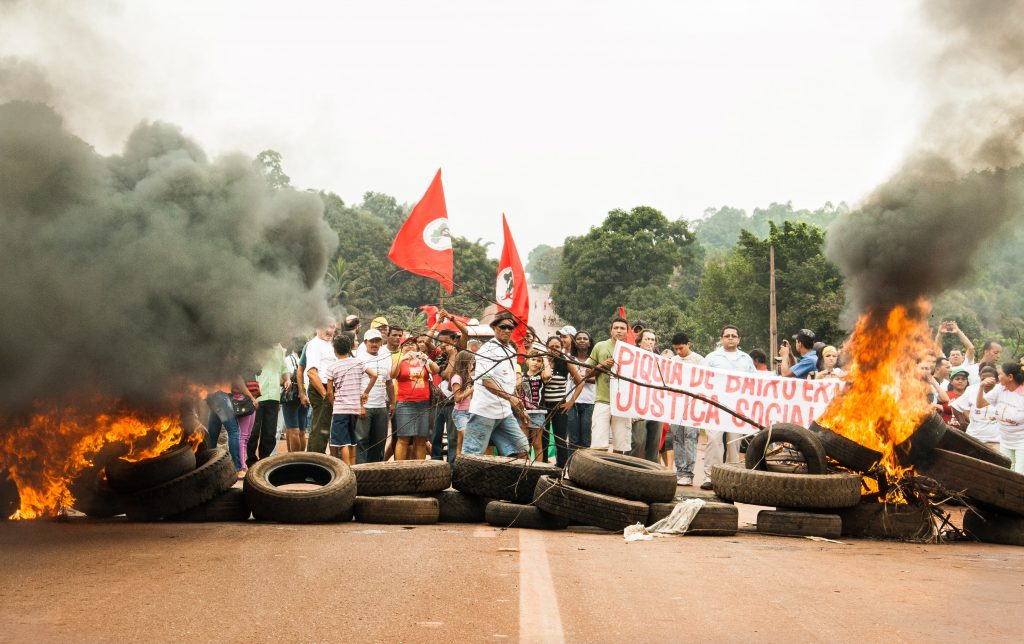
(269, 163)
(543, 264)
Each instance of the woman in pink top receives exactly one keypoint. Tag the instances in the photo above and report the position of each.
(461, 384)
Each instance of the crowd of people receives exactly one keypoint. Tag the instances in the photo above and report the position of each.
(391, 393)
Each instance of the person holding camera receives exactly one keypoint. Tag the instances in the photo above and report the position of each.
(412, 411)
(808, 362)
(957, 357)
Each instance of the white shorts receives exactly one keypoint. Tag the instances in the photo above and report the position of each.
(603, 425)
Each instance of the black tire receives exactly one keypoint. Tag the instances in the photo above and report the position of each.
(736, 483)
(954, 440)
(127, 477)
(229, 506)
(995, 528)
(405, 510)
(402, 477)
(804, 440)
(565, 500)
(875, 520)
(214, 474)
(916, 449)
(499, 477)
(332, 501)
(10, 500)
(502, 514)
(458, 507)
(799, 524)
(714, 519)
(93, 496)
(623, 476)
(991, 486)
(844, 451)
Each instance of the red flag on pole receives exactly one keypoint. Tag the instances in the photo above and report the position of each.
(510, 290)
(424, 243)
(630, 336)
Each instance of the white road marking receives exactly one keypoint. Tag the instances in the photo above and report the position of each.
(485, 532)
(540, 619)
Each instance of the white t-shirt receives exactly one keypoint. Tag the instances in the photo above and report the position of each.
(319, 355)
(589, 393)
(1009, 410)
(381, 363)
(495, 362)
(972, 374)
(983, 423)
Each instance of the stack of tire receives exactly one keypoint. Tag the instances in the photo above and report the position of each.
(501, 489)
(178, 485)
(808, 500)
(401, 492)
(958, 462)
(613, 491)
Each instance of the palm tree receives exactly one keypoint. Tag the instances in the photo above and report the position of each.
(343, 287)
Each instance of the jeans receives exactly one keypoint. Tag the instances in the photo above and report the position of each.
(223, 414)
(442, 426)
(320, 427)
(263, 440)
(503, 432)
(684, 442)
(295, 415)
(371, 433)
(579, 425)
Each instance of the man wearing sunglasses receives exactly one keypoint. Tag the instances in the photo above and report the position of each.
(491, 417)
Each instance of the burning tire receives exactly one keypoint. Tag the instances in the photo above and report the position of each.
(989, 485)
(93, 496)
(799, 524)
(736, 483)
(804, 440)
(408, 510)
(214, 474)
(875, 520)
(714, 519)
(331, 500)
(916, 449)
(402, 477)
(499, 477)
(844, 451)
(565, 500)
(994, 528)
(129, 477)
(501, 514)
(10, 500)
(230, 506)
(962, 443)
(623, 476)
(457, 507)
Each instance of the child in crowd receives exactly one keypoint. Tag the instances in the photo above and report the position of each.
(461, 384)
(531, 393)
(344, 376)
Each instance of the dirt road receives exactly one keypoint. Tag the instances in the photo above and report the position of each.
(88, 581)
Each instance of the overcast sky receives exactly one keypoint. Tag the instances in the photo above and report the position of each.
(552, 112)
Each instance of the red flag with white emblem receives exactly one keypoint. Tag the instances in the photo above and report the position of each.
(424, 243)
(510, 290)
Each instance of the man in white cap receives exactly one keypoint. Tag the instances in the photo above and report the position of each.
(372, 426)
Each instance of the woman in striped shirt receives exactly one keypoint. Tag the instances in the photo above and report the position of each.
(555, 389)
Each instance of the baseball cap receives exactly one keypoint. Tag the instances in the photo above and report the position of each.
(380, 321)
(958, 371)
(568, 329)
(372, 334)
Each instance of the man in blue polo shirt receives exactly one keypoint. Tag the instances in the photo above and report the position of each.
(808, 362)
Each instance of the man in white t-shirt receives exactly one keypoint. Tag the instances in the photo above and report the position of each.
(372, 427)
(722, 446)
(319, 355)
(490, 411)
(990, 353)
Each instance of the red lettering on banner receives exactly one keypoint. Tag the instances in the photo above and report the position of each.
(674, 395)
(711, 416)
(732, 383)
(663, 369)
(709, 377)
(627, 388)
(825, 392)
(677, 374)
(749, 386)
(770, 386)
(808, 391)
(789, 388)
(697, 377)
(643, 398)
(772, 408)
(627, 359)
(644, 367)
(657, 405)
(797, 417)
(741, 408)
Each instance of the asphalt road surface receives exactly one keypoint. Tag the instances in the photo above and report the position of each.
(80, 580)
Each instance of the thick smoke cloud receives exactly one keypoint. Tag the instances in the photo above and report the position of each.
(918, 233)
(126, 276)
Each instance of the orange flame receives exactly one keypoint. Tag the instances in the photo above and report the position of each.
(46, 454)
(885, 398)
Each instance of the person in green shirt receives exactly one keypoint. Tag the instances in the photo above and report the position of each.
(606, 428)
(272, 378)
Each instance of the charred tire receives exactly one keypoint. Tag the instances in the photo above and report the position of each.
(994, 528)
(502, 514)
(844, 451)
(806, 441)
(736, 483)
(229, 506)
(989, 485)
(10, 500)
(915, 450)
(714, 519)
(499, 477)
(214, 474)
(406, 510)
(875, 520)
(623, 476)
(93, 496)
(458, 507)
(962, 443)
(565, 500)
(127, 478)
(799, 524)
(402, 477)
(329, 502)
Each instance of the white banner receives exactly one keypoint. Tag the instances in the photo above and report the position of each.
(761, 396)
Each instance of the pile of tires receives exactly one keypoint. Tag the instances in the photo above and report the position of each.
(499, 490)
(300, 487)
(401, 492)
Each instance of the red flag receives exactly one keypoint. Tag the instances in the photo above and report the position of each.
(424, 243)
(510, 287)
(630, 336)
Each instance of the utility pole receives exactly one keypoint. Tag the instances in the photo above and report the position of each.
(773, 328)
